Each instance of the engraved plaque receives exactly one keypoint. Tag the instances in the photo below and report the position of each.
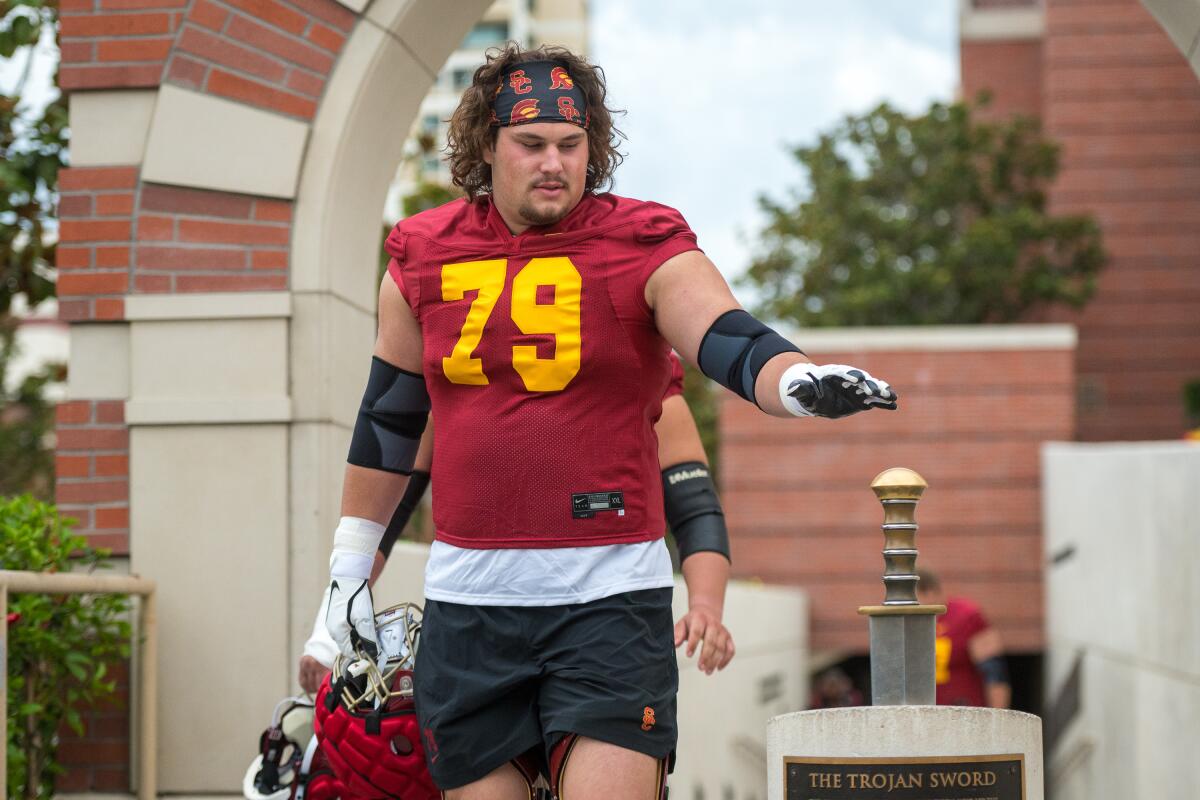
(930, 778)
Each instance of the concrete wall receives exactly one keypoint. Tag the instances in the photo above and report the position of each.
(1123, 535)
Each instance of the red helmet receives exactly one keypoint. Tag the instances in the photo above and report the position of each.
(316, 780)
(366, 722)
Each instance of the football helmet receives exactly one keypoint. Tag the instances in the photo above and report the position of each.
(366, 722)
(281, 749)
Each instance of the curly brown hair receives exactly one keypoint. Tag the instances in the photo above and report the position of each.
(471, 131)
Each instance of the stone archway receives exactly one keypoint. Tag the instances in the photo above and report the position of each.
(220, 226)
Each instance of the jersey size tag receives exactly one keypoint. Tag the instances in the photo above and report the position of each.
(585, 505)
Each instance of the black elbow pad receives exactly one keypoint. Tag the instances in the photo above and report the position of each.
(391, 419)
(735, 349)
(694, 510)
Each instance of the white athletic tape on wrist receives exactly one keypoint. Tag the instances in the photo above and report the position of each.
(794, 373)
(355, 543)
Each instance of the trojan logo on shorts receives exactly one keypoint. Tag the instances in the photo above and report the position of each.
(524, 110)
(560, 79)
(519, 83)
(567, 109)
(647, 718)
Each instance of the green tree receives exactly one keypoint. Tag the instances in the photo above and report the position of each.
(938, 218)
(33, 146)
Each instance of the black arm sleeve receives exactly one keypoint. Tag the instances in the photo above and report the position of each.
(417, 483)
(735, 349)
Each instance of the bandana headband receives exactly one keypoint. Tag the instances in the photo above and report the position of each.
(539, 91)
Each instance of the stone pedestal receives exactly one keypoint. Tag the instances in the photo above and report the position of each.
(905, 752)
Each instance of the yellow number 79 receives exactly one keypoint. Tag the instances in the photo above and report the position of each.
(560, 319)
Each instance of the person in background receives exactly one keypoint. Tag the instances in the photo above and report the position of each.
(971, 668)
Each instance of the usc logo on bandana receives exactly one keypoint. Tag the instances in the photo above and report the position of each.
(524, 110)
(519, 83)
(567, 109)
(560, 79)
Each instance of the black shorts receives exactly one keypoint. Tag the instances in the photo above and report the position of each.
(493, 682)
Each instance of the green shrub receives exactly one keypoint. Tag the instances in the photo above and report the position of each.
(59, 646)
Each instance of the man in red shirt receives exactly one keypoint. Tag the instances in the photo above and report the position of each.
(970, 666)
(534, 318)
(691, 506)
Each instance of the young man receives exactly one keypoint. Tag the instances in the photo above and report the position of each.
(535, 319)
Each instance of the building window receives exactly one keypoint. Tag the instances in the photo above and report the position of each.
(486, 34)
(462, 79)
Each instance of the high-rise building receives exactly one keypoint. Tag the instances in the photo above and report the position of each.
(529, 22)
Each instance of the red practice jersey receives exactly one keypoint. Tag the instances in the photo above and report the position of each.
(959, 682)
(676, 385)
(544, 368)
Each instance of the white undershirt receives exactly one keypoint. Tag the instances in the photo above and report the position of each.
(544, 577)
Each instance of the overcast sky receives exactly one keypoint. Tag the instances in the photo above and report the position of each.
(714, 97)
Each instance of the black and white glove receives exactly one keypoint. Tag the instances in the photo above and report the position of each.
(832, 391)
(349, 614)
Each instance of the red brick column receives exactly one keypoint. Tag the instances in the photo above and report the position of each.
(92, 462)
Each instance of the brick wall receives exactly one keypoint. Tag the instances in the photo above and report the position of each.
(1123, 102)
(801, 513)
(96, 213)
(92, 462)
(1009, 70)
(108, 44)
(1124, 105)
(192, 240)
(261, 52)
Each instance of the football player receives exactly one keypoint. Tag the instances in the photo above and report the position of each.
(692, 509)
(534, 318)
